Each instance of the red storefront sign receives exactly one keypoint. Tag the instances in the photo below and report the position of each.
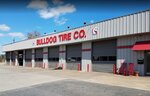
(61, 37)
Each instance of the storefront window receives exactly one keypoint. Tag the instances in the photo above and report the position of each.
(53, 59)
(74, 59)
(112, 58)
(104, 58)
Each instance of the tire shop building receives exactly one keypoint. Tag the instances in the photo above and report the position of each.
(93, 47)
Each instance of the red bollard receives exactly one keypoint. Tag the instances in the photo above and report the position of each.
(62, 66)
(87, 67)
(114, 69)
(72, 66)
(79, 67)
(125, 72)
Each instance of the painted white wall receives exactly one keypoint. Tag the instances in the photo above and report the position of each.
(62, 55)
(33, 58)
(24, 62)
(16, 59)
(86, 56)
(45, 57)
(10, 63)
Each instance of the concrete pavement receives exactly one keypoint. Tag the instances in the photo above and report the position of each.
(12, 77)
(15, 77)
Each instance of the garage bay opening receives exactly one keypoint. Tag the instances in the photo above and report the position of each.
(103, 55)
(73, 57)
(53, 57)
(20, 58)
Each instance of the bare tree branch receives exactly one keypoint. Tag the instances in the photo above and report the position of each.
(32, 35)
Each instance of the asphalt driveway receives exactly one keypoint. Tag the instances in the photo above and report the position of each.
(74, 88)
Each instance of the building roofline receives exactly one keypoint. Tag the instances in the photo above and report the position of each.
(83, 25)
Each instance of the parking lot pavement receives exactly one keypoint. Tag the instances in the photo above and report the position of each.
(74, 88)
(14, 77)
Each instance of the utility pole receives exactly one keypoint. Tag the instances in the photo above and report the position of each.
(13, 40)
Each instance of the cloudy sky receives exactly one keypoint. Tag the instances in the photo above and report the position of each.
(18, 17)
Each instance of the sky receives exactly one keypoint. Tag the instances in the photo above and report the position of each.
(19, 17)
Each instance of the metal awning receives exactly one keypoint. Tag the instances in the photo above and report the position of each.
(143, 45)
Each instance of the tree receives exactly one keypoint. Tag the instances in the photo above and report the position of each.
(32, 35)
(2, 58)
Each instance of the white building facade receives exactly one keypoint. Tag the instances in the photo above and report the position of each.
(94, 47)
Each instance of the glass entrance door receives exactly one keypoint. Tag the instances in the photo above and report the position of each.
(147, 66)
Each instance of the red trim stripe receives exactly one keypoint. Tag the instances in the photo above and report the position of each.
(123, 47)
(62, 51)
(86, 49)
